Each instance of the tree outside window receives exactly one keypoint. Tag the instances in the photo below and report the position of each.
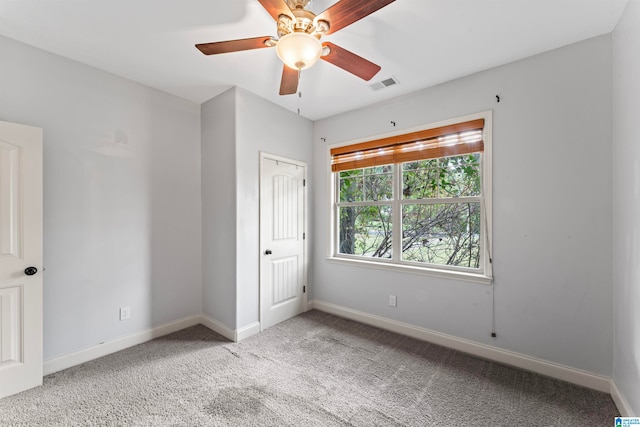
(440, 211)
(415, 199)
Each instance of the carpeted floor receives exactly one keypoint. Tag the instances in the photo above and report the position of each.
(313, 370)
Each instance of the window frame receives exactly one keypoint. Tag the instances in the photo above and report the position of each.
(482, 275)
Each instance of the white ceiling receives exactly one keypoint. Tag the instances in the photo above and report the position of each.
(420, 42)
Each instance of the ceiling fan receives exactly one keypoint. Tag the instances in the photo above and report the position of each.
(299, 31)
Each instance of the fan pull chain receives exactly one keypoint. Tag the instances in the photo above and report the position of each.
(300, 92)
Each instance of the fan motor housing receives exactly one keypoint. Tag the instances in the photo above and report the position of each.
(298, 4)
(304, 22)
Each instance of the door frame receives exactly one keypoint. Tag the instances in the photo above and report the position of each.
(305, 215)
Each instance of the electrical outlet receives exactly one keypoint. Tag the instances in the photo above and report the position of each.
(125, 313)
(392, 301)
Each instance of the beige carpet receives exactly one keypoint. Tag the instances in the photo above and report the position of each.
(313, 370)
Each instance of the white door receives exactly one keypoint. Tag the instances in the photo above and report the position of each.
(20, 258)
(282, 244)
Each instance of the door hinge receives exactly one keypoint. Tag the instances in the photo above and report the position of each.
(304, 236)
(304, 289)
(304, 182)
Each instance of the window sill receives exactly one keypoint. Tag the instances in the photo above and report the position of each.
(412, 269)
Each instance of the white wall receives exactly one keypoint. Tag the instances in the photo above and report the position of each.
(219, 208)
(626, 205)
(552, 210)
(121, 197)
(261, 126)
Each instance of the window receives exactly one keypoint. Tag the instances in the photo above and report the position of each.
(419, 199)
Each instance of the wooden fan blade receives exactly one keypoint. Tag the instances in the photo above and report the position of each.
(346, 12)
(350, 62)
(233, 45)
(276, 8)
(289, 83)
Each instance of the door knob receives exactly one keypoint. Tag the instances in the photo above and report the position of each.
(30, 271)
(267, 252)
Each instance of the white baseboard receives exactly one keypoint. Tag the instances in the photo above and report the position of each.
(565, 373)
(247, 331)
(621, 402)
(230, 334)
(103, 349)
(562, 372)
(218, 327)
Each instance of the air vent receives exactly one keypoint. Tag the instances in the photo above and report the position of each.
(384, 83)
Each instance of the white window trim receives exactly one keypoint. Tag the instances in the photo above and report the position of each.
(486, 277)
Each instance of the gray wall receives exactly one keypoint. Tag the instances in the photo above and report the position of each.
(121, 197)
(219, 208)
(552, 215)
(126, 205)
(261, 126)
(236, 126)
(626, 205)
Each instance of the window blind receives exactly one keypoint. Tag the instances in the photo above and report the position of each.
(451, 140)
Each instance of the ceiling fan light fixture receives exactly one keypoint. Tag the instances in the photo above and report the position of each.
(299, 50)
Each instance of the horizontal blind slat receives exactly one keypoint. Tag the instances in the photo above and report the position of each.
(410, 137)
(436, 152)
(444, 141)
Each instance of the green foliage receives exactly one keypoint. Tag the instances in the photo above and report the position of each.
(440, 233)
(366, 230)
(368, 184)
(440, 178)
